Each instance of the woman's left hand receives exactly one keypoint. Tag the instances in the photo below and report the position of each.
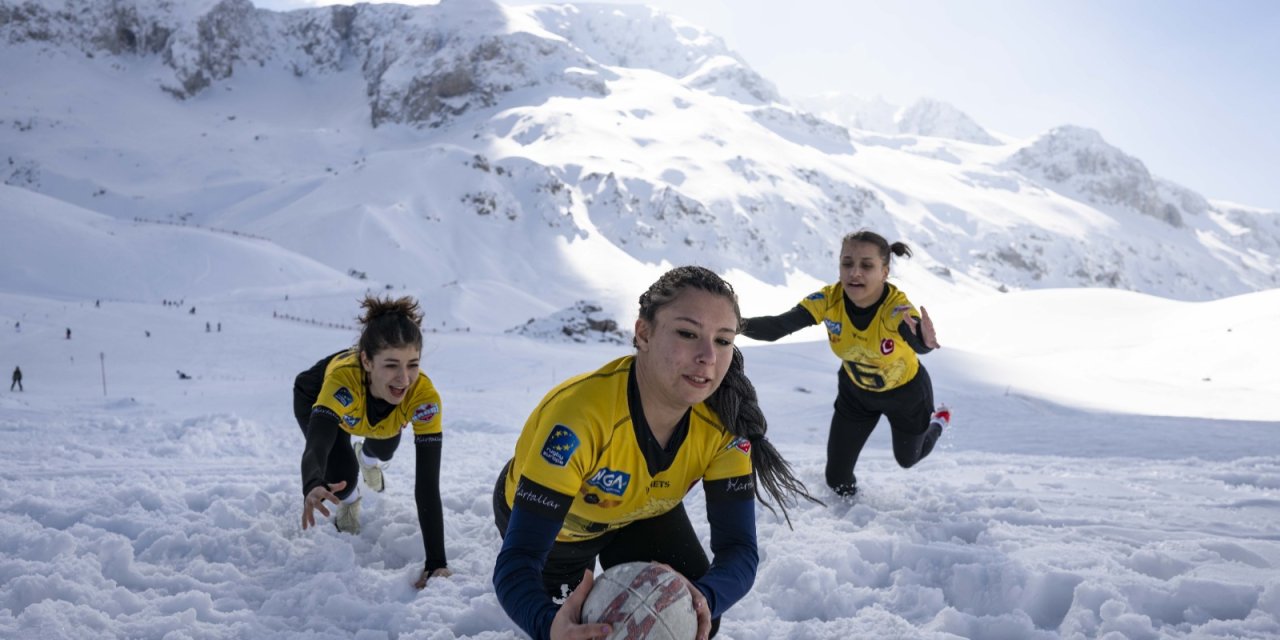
(442, 572)
(923, 327)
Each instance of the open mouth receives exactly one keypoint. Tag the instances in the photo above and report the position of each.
(698, 381)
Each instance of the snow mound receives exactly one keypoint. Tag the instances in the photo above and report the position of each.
(583, 322)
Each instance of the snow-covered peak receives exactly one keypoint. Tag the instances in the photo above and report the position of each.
(928, 117)
(852, 112)
(1080, 161)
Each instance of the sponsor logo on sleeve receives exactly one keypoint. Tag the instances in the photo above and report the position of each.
(610, 481)
(560, 445)
(425, 412)
(343, 396)
(833, 327)
(901, 308)
(351, 420)
(741, 444)
(886, 346)
(817, 295)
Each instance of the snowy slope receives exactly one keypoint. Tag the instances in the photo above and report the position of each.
(1060, 505)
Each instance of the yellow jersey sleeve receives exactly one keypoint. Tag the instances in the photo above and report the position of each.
(731, 457)
(343, 390)
(423, 407)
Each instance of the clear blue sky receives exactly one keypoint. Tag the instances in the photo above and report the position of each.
(1190, 87)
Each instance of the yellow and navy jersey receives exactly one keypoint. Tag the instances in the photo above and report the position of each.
(582, 442)
(345, 395)
(876, 358)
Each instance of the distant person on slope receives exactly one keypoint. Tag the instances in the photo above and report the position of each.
(373, 390)
(603, 464)
(877, 334)
(17, 379)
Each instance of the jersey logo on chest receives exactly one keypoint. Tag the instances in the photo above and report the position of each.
(610, 481)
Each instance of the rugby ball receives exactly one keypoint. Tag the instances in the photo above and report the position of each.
(642, 600)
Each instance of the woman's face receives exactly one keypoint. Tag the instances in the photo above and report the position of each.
(862, 272)
(688, 347)
(392, 371)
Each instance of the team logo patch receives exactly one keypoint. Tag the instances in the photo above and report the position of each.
(343, 396)
(833, 327)
(425, 412)
(610, 481)
(741, 444)
(817, 295)
(900, 308)
(886, 346)
(351, 420)
(560, 445)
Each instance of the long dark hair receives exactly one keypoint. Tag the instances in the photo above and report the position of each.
(389, 323)
(734, 401)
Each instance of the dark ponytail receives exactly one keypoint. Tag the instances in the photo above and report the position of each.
(736, 404)
(389, 323)
(899, 249)
(734, 401)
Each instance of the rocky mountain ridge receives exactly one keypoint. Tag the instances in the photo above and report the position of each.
(536, 125)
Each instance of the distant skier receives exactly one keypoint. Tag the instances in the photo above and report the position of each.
(877, 334)
(374, 390)
(68, 333)
(207, 328)
(17, 379)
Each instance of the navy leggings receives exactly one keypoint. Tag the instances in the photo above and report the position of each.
(909, 409)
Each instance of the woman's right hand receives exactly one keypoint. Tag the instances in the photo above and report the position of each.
(315, 502)
(567, 623)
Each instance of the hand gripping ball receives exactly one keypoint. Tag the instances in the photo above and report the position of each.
(642, 600)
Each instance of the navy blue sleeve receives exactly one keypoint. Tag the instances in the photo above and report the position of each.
(770, 328)
(734, 554)
(517, 573)
(322, 430)
(426, 494)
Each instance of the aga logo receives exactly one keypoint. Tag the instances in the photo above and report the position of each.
(833, 327)
(425, 412)
(886, 346)
(560, 445)
(610, 481)
(343, 396)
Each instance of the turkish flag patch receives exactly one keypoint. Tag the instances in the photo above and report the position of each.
(886, 346)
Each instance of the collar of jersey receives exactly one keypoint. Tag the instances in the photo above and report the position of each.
(656, 458)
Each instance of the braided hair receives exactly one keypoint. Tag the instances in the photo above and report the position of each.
(389, 323)
(734, 401)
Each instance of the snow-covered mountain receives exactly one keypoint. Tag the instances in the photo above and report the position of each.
(924, 117)
(441, 146)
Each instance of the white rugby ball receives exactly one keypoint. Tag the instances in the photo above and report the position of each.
(642, 600)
